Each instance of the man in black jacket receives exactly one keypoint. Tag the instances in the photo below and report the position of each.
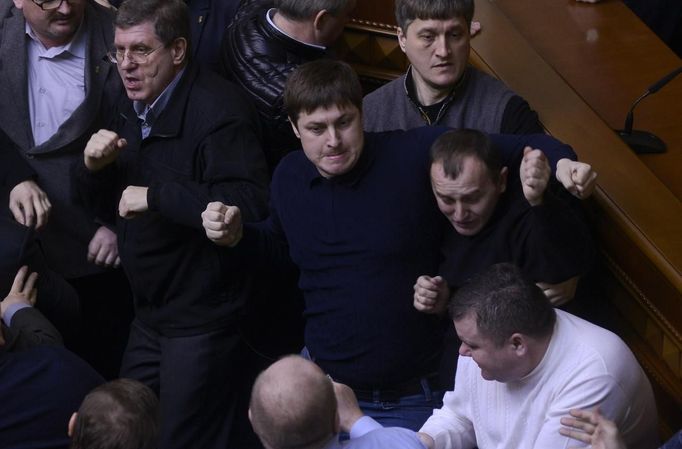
(187, 138)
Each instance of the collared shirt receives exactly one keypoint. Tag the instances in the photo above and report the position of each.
(366, 433)
(56, 82)
(149, 113)
(361, 427)
(271, 13)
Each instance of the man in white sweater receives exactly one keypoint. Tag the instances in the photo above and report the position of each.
(523, 365)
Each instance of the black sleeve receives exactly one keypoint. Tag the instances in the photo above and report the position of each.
(519, 118)
(552, 241)
(29, 328)
(13, 168)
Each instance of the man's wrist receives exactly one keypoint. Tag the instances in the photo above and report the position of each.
(9, 311)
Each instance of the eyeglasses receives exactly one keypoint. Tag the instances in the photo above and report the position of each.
(135, 56)
(49, 5)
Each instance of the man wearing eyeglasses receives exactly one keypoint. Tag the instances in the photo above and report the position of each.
(53, 78)
(184, 137)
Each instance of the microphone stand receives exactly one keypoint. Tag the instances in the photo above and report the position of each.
(644, 142)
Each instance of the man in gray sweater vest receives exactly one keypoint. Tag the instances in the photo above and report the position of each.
(440, 87)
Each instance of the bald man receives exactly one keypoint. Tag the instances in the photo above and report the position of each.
(294, 404)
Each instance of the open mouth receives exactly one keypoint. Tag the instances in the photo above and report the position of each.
(131, 83)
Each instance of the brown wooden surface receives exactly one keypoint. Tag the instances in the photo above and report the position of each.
(609, 57)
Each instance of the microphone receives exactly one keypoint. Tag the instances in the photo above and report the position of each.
(643, 142)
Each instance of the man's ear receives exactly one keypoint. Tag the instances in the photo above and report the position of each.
(320, 20)
(503, 179)
(518, 344)
(72, 424)
(401, 39)
(179, 50)
(293, 126)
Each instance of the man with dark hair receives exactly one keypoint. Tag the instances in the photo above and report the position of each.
(500, 214)
(188, 137)
(440, 88)
(356, 214)
(294, 405)
(265, 43)
(523, 365)
(121, 414)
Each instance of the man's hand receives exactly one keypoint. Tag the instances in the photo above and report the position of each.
(23, 290)
(431, 294)
(133, 202)
(29, 204)
(559, 294)
(103, 249)
(347, 406)
(591, 428)
(577, 177)
(223, 223)
(534, 174)
(102, 149)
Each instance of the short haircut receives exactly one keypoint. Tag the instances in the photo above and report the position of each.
(406, 11)
(295, 409)
(121, 414)
(170, 18)
(453, 147)
(306, 9)
(504, 302)
(321, 84)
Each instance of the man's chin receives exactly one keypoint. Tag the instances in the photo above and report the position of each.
(467, 231)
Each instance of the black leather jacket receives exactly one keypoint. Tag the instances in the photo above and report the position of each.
(259, 58)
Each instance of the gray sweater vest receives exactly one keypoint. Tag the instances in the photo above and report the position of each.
(478, 104)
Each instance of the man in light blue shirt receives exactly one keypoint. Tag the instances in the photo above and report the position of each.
(294, 404)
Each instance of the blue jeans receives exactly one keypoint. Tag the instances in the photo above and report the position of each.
(409, 412)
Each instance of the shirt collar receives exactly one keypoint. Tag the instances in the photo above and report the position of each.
(157, 107)
(411, 91)
(76, 46)
(270, 13)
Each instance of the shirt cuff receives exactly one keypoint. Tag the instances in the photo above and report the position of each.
(11, 310)
(362, 426)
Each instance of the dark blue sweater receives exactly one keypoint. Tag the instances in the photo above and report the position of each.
(360, 241)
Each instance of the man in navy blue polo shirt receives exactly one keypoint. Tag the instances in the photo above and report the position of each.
(355, 212)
